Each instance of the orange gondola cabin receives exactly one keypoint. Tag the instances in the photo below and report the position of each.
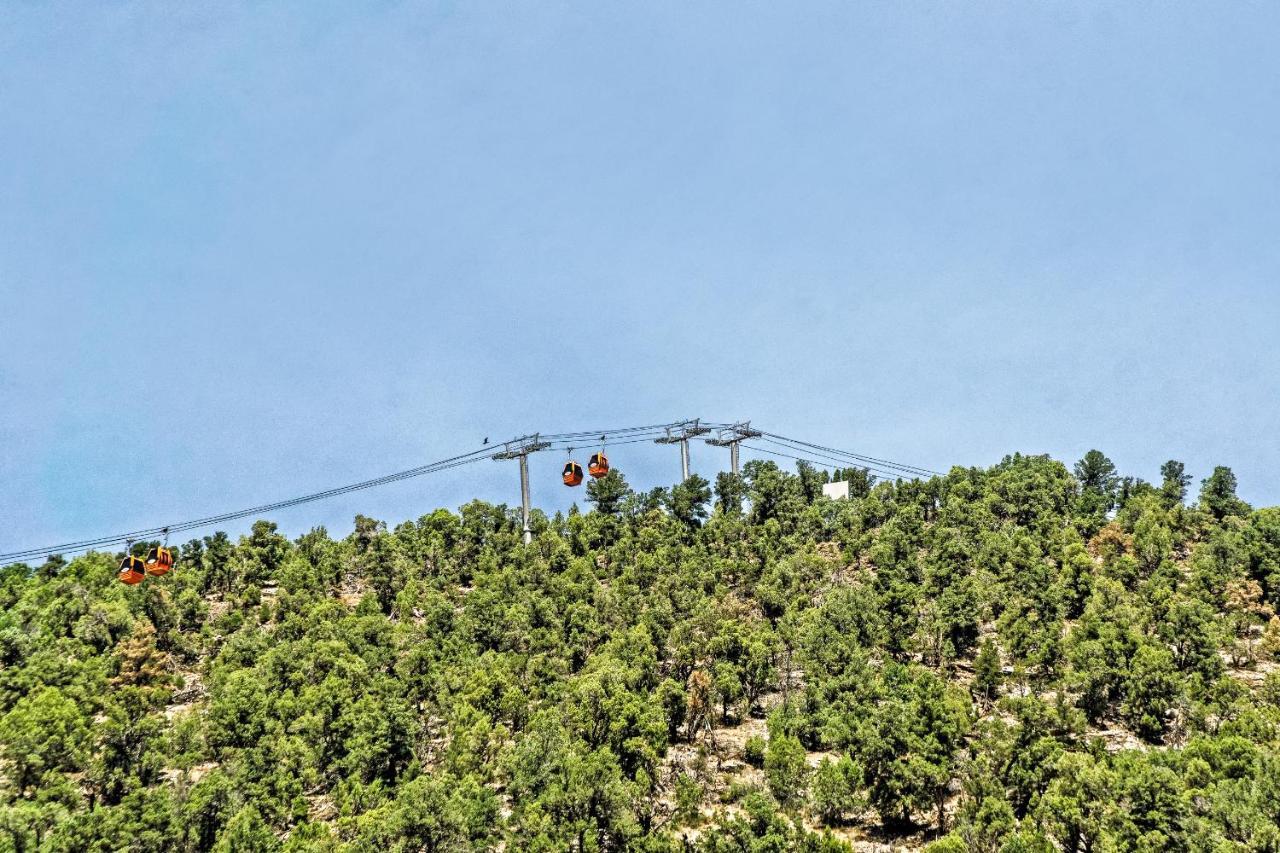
(159, 561)
(132, 570)
(598, 465)
(572, 473)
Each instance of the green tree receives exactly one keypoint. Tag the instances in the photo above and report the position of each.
(1218, 494)
(1173, 488)
(207, 810)
(908, 742)
(247, 833)
(987, 670)
(1075, 807)
(219, 572)
(785, 769)
(1096, 473)
(1189, 630)
(44, 731)
(607, 493)
(730, 491)
(835, 790)
(688, 501)
(1150, 690)
(434, 813)
(1098, 481)
(811, 480)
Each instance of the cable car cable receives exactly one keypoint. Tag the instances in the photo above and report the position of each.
(151, 532)
(616, 437)
(882, 474)
(858, 456)
(231, 516)
(824, 459)
(484, 452)
(848, 458)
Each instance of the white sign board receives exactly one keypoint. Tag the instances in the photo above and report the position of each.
(837, 490)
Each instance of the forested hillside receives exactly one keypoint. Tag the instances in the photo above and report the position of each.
(1023, 658)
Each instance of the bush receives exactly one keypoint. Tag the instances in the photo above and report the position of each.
(785, 768)
(947, 844)
(736, 791)
(688, 799)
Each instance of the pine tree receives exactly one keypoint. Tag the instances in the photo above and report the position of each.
(986, 670)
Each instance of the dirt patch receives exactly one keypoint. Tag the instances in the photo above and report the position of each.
(1255, 675)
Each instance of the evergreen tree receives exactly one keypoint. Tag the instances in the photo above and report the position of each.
(1218, 494)
(987, 670)
(1176, 481)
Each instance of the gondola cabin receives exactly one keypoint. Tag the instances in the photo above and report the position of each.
(598, 465)
(572, 475)
(132, 570)
(159, 561)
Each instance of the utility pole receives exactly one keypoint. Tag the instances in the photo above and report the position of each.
(520, 448)
(730, 438)
(685, 430)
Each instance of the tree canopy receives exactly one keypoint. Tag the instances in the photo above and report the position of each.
(1022, 657)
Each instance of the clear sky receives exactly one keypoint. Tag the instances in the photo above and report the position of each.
(253, 250)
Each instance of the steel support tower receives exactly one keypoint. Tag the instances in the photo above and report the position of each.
(730, 437)
(683, 431)
(520, 448)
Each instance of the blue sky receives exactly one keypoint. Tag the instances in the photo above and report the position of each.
(249, 251)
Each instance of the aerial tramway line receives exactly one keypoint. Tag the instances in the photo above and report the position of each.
(160, 560)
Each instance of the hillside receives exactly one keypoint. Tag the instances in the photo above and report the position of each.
(1029, 657)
